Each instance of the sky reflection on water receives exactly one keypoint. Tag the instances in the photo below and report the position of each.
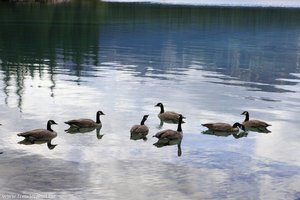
(209, 64)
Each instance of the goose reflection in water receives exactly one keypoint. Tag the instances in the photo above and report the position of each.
(30, 142)
(236, 135)
(162, 143)
(259, 130)
(74, 130)
(161, 124)
(137, 136)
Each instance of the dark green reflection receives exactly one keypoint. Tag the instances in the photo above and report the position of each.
(36, 39)
(251, 44)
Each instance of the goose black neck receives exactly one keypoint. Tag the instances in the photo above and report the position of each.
(246, 117)
(162, 110)
(49, 127)
(143, 121)
(179, 125)
(98, 118)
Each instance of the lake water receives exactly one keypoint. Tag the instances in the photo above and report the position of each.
(67, 61)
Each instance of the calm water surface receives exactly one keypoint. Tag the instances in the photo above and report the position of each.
(67, 61)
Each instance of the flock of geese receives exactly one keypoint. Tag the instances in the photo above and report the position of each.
(140, 131)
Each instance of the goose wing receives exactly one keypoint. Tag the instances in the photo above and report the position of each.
(169, 116)
(82, 123)
(38, 134)
(142, 129)
(255, 123)
(168, 134)
(218, 126)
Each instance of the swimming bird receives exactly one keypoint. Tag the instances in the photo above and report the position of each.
(86, 123)
(40, 134)
(167, 116)
(139, 131)
(253, 123)
(169, 134)
(224, 127)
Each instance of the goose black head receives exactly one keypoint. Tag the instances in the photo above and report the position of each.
(245, 113)
(98, 116)
(158, 105)
(162, 110)
(180, 117)
(145, 117)
(100, 113)
(237, 124)
(51, 122)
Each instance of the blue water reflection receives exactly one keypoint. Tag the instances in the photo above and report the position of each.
(67, 61)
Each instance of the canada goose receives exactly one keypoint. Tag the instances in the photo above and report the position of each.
(40, 134)
(224, 127)
(169, 134)
(140, 131)
(167, 116)
(86, 123)
(253, 123)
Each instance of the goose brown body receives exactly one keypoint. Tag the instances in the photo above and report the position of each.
(86, 123)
